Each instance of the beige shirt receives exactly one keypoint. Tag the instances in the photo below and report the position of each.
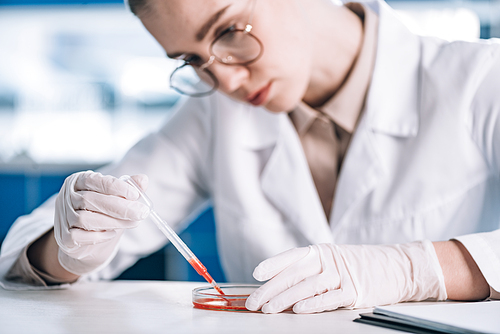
(343, 109)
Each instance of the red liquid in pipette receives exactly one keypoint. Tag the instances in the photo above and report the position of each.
(200, 269)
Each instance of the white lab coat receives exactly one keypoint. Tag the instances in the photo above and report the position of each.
(423, 163)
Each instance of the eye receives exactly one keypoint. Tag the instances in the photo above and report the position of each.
(192, 60)
(225, 31)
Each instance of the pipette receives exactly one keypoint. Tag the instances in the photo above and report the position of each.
(174, 237)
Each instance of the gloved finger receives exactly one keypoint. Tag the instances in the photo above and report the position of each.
(83, 238)
(93, 221)
(276, 264)
(327, 301)
(309, 287)
(309, 265)
(141, 180)
(105, 184)
(112, 206)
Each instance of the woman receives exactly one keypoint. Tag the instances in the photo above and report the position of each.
(334, 127)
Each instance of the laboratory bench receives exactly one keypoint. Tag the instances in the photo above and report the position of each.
(152, 307)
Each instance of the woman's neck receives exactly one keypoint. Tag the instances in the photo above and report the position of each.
(338, 36)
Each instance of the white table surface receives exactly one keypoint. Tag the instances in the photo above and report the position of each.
(152, 307)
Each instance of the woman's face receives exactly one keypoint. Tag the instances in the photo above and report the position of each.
(276, 81)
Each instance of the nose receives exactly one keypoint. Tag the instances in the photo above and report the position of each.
(230, 77)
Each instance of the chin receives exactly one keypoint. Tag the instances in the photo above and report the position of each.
(275, 110)
(286, 97)
(282, 106)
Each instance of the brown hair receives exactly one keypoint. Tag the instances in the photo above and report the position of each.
(138, 6)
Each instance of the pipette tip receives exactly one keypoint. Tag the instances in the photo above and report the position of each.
(217, 287)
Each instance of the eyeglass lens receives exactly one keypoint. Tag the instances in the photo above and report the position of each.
(186, 80)
(236, 47)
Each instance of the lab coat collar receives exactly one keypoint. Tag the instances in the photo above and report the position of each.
(392, 108)
(393, 99)
(285, 179)
(287, 182)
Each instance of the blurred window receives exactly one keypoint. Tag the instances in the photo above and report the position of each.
(78, 83)
(436, 14)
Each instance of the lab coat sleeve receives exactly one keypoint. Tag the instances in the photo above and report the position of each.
(23, 272)
(485, 250)
(175, 160)
(484, 123)
(23, 232)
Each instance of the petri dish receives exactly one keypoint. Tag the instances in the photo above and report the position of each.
(234, 298)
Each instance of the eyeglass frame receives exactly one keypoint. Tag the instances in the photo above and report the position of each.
(213, 57)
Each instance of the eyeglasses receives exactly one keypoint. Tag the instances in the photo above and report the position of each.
(233, 47)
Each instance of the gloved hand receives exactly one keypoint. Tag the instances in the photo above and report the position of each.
(326, 277)
(91, 214)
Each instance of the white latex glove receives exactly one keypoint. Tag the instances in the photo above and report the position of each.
(326, 277)
(91, 214)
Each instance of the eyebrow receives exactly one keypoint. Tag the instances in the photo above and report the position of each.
(202, 33)
(206, 27)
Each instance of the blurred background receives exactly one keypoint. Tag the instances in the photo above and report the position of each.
(82, 81)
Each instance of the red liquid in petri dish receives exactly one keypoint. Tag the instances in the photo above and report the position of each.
(234, 298)
(219, 304)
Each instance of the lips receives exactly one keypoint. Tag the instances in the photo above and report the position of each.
(260, 96)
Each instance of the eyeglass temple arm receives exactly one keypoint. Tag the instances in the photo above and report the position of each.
(208, 63)
(249, 27)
